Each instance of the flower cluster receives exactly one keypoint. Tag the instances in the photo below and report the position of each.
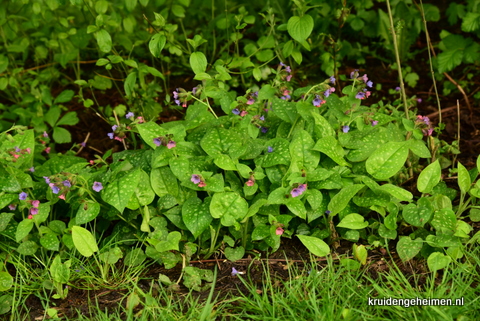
(61, 185)
(118, 131)
(16, 153)
(285, 72)
(323, 92)
(181, 96)
(32, 204)
(198, 180)
(297, 191)
(165, 141)
(423, 122)
(363, 84)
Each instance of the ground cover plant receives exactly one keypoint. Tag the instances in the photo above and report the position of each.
(222, 136)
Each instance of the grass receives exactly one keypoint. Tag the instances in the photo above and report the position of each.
(314, 292)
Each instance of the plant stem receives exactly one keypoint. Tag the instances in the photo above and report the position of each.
(397, 56)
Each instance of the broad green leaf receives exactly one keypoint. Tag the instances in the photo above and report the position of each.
(418, 215)
(61, 135)
(225, 162)
(471, 22)
(198, 62)
(353, 221)
(429, 177)
(64, 97)
(387, 160)
(87, 212)
(418, 148)
(171, 243)
(129, 84)
(150, 130)
(234, 254)
(23, 229)
(221, 141)
(464, 181)
(449, 59)
(6, 281)
(156, 44)
(300, 28)
(228, 204)
(332, 148)
(315, 245)
(297, 207)
(84, 241)
(301, 151)
(196, 216)
(135, 257)
(385, 232)
(164, 182)
(59, 271)
(280, 153)
(437, 261)
(104, 40)
(69, 118)
(5, 219)
(118, 192)
(341, 199)
(397, 192)
(408, 248)
(360, 253)
(112, 256)
(50, 241)
(27, 248)
(285, 110)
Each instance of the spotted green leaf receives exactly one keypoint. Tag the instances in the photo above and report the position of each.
(234, 254)
(296, 206)
(408, 248)
(418, 215)
(150, 130)
(87, 212)
(50, 241)
(464, 181)
(163, 182)
(315, 245)
(387, 160)
(27, 248)
(397, 192)
(437, 261)
(314, 198)
(341, 199)
(111, 256)
(387, 233)
(84, 241)
(221, 141)
(23, 229)
(6, 281)
(353, 221)
(429, 177)
(118, 192)
(171, 243)
(280, 153)
(197, 114)
(225, 162)
(144, 193)
(332, 148)
(322, 126)
(228, 204)
(301, 150)
(4, 220)
(418, 148)
(285, 110)
(196, 216)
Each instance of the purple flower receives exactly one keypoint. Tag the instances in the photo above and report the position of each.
(194, 90)
(111, 135)
(332, 80)
(47, 180)
(317, 101)
(264, 129)
(289, 77)
(97, 186)
(54, 188)
(251, 101)
(171, 144)
(129, 115)
(32, 169)
(288, 69)
(369, 83)
(286, 97)
(282, 64)
(296, 192)
(114, 127)
(262, 118)
(397, 88)
(364, 78)
(345, 129)
(12, 207)
(33, 211)
(196, 179)
(45, 134)
(177, 101)
(328, 212)
(22, 196)
(374, 122)
(67, 183)
(270, 149)
(353, 74)
(175, 94)
(83, 144)
(17, 149)
(236, 111)
(360, 95)
(157, 141)
(426, 120)
(234, 271)
(419, 100)
(35, 203)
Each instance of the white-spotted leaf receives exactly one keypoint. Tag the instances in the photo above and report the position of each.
(387, 160)
(118, 192)
(196, 216)
(332, 148)
(437, 261)
(315, 245)
(408, 248)
(429, 177)
(353, 221)
(84, 241)
(341, 199)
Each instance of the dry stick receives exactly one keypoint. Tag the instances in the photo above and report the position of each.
(50, 64)
(458, 130)
(85, 141)
(267, 260)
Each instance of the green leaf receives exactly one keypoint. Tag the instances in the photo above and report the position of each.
(408, 248)
(353, 221)
(387, 160)
(87, 212)
(150, 130)
(444, 219)
(112, 256)
(27, 248)
(23, 229)
(301, 151)
(164, 182)
(52, 115)
(315, 245)
(464, 181)
(59, 271)
(84, 241)
(285, 110)
(418, 215)
(230, 205)
(397, 192)
(330, 146)
(172, 242)
(296, 206)
(3, 63)
(104, 40)
(234, 254)
(61, 135)
(156, 44)
(118, 192)
(300, 28)
(69, 118)
(6, 281)
(50, 241)
(225, 162)
(280, 153)
(322, 126)
(341, 199)
(437, 261)
(129, 84)
(449, 59)
(196, 216)
(64, 97)
(360, 253)
(198, 62)
(429, 177)
(471, 22)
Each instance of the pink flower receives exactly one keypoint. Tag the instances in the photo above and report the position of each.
(16, 156)
(92, 162)
(35, 203)
(250, 182)
(140, 119)
(243, 113)
(289, 77)
(279, 231)
(47, 150)
(118, 138)
(45, 134)
(33, 211)
(12, 207)
(251, 101)
(171, 144)
(62, 197)
(30, 216)
(184, 105)
(202, 184)
(28, 150)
